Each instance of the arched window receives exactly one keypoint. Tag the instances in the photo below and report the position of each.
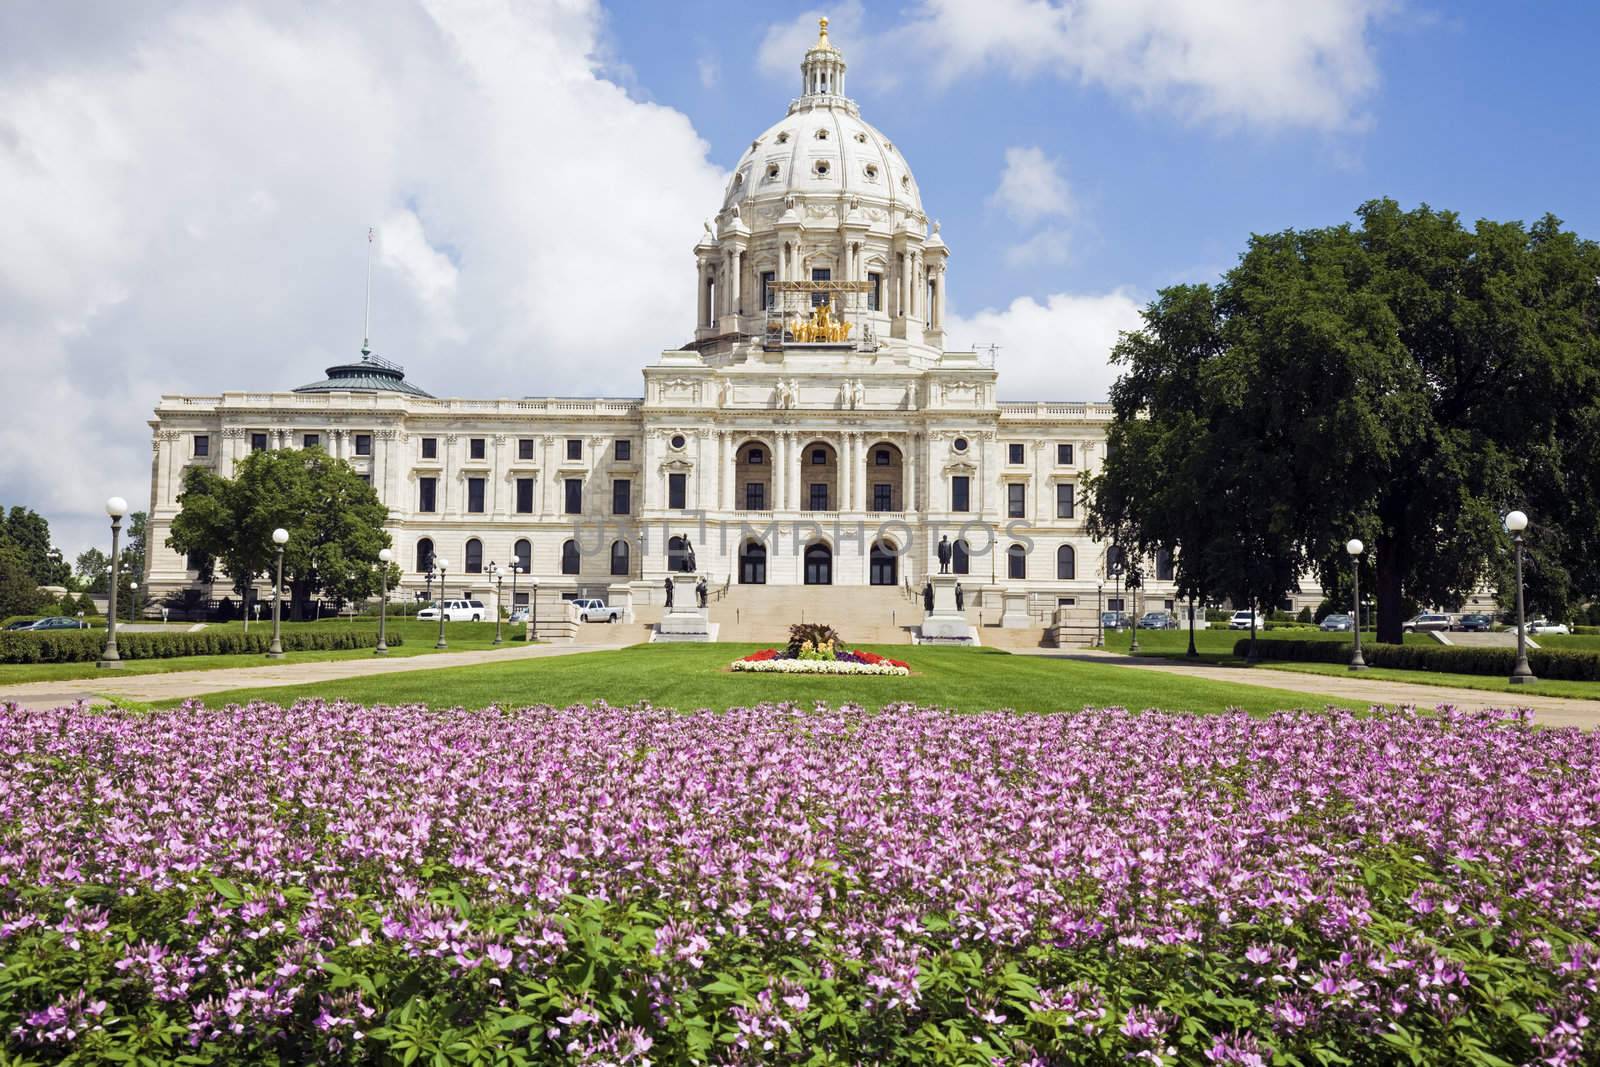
(1016, 562)
(1066, 563)
(523, 551)
(569, 557)
(753, 564)
(1163, 565)
(474, 556)
(819, 565)
(425, 555)
(619, 557)
(960, 558)
(883, 567)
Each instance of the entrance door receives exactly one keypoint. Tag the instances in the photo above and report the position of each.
(883, 567)
(819, 565)
(753, 565)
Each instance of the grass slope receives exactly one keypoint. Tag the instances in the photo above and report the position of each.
(695, 676)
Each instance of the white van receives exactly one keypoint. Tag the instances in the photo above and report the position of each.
(456, 611)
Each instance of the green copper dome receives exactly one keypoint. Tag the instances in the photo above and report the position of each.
(369, 374)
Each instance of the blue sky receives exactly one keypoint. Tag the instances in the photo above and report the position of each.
(188, 184)
(1488, 109)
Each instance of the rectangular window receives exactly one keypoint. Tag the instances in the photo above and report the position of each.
(363, 444)
(258, 442)
(475, 495)
(881, 457)
(677, 491)
(755, 457)
(475, 448)
(960, 493)
(623, 450)
(1064, 500)
(819, 496)
(524, 448)
(622, 497)
(875, 294)
(311, 440)
(755, 496)
(769, 298)
(1064, 455)
(430, 448)
(1016, 500)
(202, 444)
(1014, 453)
(882, 496)
(574, 496)
(819, 457)
(524, 496)
(820, 274)
(427, 494)
(1113, 603)
(574, 448)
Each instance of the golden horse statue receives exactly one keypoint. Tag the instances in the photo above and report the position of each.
(821, 326)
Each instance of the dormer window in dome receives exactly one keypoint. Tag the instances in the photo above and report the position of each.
(783, 138)
(822, 134)
(821, 168)
(905, 182)
(861, 138)
(872, 172)
(738, 180)
(772, 172)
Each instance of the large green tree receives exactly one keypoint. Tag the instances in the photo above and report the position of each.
(29, 533)
(333, 517)
(1406, 380)
(19, 592)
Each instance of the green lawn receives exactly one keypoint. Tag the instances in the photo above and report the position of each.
(1492, 683)
(694, 676)
(418, 640)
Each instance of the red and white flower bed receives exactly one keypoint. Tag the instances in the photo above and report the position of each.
(778, 661)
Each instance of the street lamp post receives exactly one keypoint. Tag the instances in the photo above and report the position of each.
(515, 568)
(280, 537)
(499, 598)
(533, 614)
(384, 556)
(1133, 633)
(1355, 548)
(1193, 652)
(1100, 615)
(133, 600)
(1521, 674)
(442, 564)
(116, 507)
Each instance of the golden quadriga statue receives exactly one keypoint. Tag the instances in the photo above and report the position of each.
(821, 326)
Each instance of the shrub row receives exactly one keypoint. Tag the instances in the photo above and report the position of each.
(1575, 666)
(81, 646)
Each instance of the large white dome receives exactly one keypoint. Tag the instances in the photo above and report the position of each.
(823, 150)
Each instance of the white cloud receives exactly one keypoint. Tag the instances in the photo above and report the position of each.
(187, 195)
(1308, 63)
(1058, 350)
(1051, 246)
(709, 73)
(1031, 187)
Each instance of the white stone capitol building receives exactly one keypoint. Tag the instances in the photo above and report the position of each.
(815, 431)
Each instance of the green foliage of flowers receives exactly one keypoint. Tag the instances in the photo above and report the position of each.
(337, 884)
(815, 634)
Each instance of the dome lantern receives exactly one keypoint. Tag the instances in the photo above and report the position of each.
(822, 70)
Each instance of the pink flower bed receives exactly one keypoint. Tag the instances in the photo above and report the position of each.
(621, 885)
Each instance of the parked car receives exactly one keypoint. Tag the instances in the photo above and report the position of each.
(590, 610)
(1113, 620)
(456, 611)
(519, 615)
(1157, 620)
(1545, 626)
(1241, 620)
(1425, 622)
(1474, 624)
(59, 622)
(1337, 624)
(21, 624)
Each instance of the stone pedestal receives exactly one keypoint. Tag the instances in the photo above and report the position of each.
(945, 624)
(1014, 612)
(686, 620)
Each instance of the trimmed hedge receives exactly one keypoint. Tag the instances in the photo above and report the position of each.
(82, 646)
(1576, 666)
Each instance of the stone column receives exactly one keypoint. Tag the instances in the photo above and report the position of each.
(909, 476)
(735, 282)
(938, 311)
(862, 465)
(547, 474)
(902, 287)
(497, 478)
(780, 484)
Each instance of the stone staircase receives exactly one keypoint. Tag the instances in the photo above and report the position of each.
(863, 615)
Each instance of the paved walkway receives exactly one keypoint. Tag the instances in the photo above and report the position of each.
(1549, 710)
(180, 685)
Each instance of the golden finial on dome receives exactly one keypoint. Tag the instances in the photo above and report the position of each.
(823, 44)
